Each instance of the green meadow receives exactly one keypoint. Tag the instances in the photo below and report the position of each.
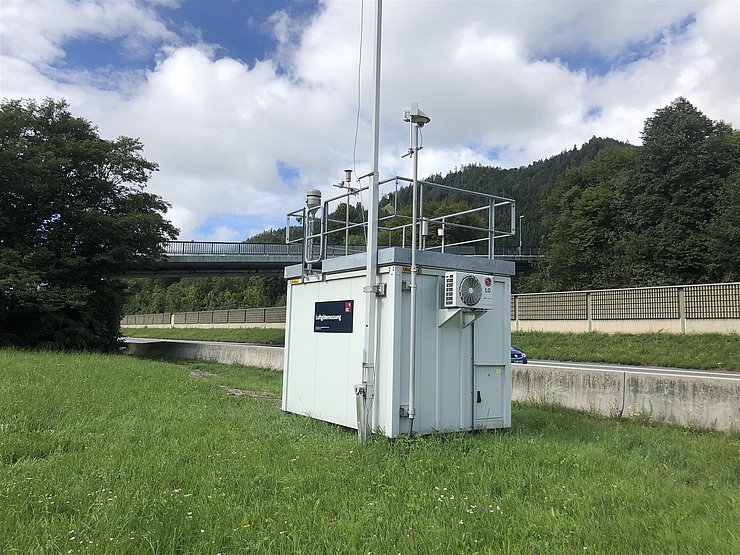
(112, 454)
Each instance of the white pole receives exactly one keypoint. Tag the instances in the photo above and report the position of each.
(368, 350)
(414, 271)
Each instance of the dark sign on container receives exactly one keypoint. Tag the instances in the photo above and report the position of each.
(333, 317)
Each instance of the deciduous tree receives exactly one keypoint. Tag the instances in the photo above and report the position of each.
(73, 215)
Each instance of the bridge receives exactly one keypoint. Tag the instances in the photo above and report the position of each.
(215, 258)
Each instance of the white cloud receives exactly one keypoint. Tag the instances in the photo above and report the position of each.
(224, 233)
(497, 79)
(35, 30)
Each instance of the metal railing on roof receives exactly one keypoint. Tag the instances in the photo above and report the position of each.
(471, 231)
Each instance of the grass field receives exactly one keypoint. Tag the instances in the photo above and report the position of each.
(111, 454)
(262, 336)
(703, 351)
(700, 351)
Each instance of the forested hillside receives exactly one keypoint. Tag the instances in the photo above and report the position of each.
(667, 212)
(204, 293)
(606, 214)
(529, 186)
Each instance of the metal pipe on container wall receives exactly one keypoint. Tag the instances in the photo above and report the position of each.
(492, 229)
(324, 235)
(346, 227)
(368, 350)
(421, 193)
(307, 242)
(443, 234)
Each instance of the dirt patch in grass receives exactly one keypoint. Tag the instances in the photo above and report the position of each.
(234, 392)
(201, 373)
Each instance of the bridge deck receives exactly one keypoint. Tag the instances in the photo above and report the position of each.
(200, 258)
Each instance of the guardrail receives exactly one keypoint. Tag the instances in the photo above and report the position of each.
(674, 309)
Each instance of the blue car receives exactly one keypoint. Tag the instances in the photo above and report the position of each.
(518, 356)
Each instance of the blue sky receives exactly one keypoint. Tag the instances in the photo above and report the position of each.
(247, 104)
(239, 29)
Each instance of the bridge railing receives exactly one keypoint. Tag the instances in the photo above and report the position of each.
(215, 248)
(180, 248)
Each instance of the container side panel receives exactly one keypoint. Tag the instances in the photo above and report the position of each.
(391, 321)
(454, 371)
(492, 361)
(323, 367)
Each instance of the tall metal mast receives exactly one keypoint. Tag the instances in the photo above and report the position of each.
(366, 393)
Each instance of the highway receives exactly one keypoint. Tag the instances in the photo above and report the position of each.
(584, 366)
(650, 370)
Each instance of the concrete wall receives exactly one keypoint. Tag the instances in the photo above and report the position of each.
(599, 392)
(710, 403)
(228, 353)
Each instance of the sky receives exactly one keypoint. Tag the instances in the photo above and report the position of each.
(245, 105)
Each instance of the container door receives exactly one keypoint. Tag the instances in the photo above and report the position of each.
(488, 394)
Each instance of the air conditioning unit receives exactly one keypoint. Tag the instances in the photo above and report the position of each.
(465, 290)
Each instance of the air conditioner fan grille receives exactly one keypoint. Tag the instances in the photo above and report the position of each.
(470, 290)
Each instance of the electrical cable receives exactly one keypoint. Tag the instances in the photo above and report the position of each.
(359, 106)
(359, 87)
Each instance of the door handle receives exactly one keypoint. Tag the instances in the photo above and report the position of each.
(477, 397)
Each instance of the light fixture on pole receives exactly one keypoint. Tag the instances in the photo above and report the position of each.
(414, 115)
